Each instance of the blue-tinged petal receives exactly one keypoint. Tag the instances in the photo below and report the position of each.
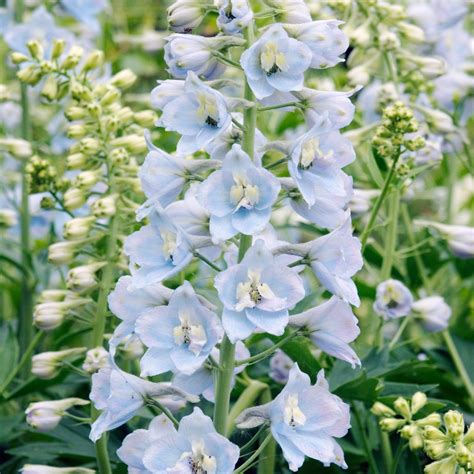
(156, 361)
(236, 325)
(155, 327)
(186, 361)
(142, 246)
(273, 322)
(214, 194)
(294, 456)
(250, 221)
(222, 228)
(196, 425)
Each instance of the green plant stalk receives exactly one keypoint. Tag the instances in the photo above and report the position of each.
(391, 242)
(246, 399)
(266, 463)
(365, 441)
(227, 349)
(399, 333)
(25, 323)
(378, 204)
(254, 456)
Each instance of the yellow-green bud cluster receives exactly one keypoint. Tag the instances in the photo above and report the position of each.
(41, 175)
(397, 121)
(402, 418)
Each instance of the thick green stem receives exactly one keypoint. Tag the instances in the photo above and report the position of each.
(378, 204)
(246, 399)
(391, 242)
(266, 464)
(25, 323)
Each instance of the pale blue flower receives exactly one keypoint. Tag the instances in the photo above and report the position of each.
(332, 325)
(179, 336)
(185, 53)
(275, 62)
(257, 293)
(324, 38)
(234, 15)
(85, 11)
(160, 249)
(334, 258)
(120, 395)
(304, 420)
(163, 176)
(433, 312)
(195, 447)
(165, 92)
(202, 381)
(239, 197)
(280, 366)
(39, 26)
(393, 299)
(127, 302)
(185, 15)
(199, 114)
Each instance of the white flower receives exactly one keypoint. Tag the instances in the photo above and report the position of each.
(433, 312)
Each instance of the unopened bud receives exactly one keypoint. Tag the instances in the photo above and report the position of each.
(123, 79)
(58, 48)
(76, 161)
(463, 455)
(73, 57)
(8, 218)
(87, 179)
(83, 277)
(50, 88)
(418, 401)
(119, 156)
(454, 422)
(30, 75)
(17, 147)
(411, 32)
(77, 131)
(78, 228)
(60, 253)
(391, 424)
(111, 96)
(47, 365)
(415, 442)
(433, 419)
(104, 207)
(135, 144)
(408, 431)
(18, 58)
(402, 407)
(380, 409)
(146, 118)
(49, 316)
(35, 49)
(74, 198)
(52, 296)
(94, 60)
(75, 113)
(96, 359)
(90, 146)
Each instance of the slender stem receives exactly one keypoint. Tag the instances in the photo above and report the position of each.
(459, 365)
(207, 261)
(254, 438)
(452, 175)
(378, 204)
(164, 410)
(24, 359)
(102, 453)
(391, 242)
(277, 163)
(365, 441)
(279, 106)
(254, 456)
(246, 399)
(397, 336)
(25, 324)
(266, 463)
(250, 114)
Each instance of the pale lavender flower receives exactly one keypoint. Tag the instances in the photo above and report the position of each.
(234, 15)
(280, 366)
(433, 312)
(393, 299)
(304, 420)
(257, 293)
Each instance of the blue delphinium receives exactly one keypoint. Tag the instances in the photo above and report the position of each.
(257, 293)
(179, 336)
(85, 11)
(304, 420)
(195, 447)
(393, 299)
(275, 62)
(198, 113)
(239, 197)
(234, 15)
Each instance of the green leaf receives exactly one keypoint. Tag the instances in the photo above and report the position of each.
(9, 352)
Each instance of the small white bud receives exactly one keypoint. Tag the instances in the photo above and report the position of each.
(95, 360)
(123, 79)
(78, 228)
(105, 206)
(74, 198)
(46, 365)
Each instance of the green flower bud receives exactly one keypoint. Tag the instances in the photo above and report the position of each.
(35, 49)
(418, 401)
(402, 407)
(145, 118)
(47, 203)
(124, 115)
(454, 422)
(8, 218)
(74, 198)
(463, 455)
(75, 113)
(73, 57)
(408, 431)
(105, 206)
(94, 60)
(18, 58)
(415, 442)
(58, 48)
(434, 419)
(76, 161)
(50, 88)
(94, 109)
(30, 75)
(123, 79)
(380, 409)
(77, 131)
(60, 253)
(391, 424)
(78, 228)
(90, 146)
(469, 436)
(112, 95)
(119, 156)
(135, 144)
(87, 179)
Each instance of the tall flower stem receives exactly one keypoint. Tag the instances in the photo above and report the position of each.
(266, 463)
(25, 324)
(227, 349)
(391, 242)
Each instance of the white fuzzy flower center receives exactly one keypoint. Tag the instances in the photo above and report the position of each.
(192, 335)
(208, 111)
(250, 293)
(243, 193)
(273, 60)
(169, 244)
(199, 462)
(293, 416)
(311, 151)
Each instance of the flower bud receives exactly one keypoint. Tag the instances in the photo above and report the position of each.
(380, 409)
(80, 92)
(46, 66)
(119, 156)
(145, 118)
(94, 109)
(78, 228)
(58, 48)
(418, 401)
(359, 75)
(135, 144)
(35, 49)
(388, 40)
(74, 198)
(89, 146)
(415, 442)
(75, 113)
(50, 88)
(76, 161)
(463, 455)
(123, 79)
(83, 277)
(94, 60)
(51, 296)
(391, 424)
(40, 469)
(112, 95)
(77, 131)
(73, 57)
(185, 15)
(95, 360)
(18, 58)
(469, 436)
(47, 365)
(105, 206)
(433, 419)
(8, 218)
(411, 32)
(124, 115)
(408, 431)
(17, 147)
(87, 179)
(60, 253)
(454, 422)
(49, 316)
(402, 407)
(30, 75)
(438, 120)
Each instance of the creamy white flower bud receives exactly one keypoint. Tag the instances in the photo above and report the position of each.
(87, 179)
(388, 40)
(95, 360)
(89, 146)
(123, 79)
(50, 88)
(17, 147)
(402, 407)
(78, 228)
(46, 415)
(391, 424)
(418, 401)
(105, 206)
(411, 32)
(74, 198)
(133, 143)
(18, 58)
(77, 131)
(454, 422)
(83, 277)
(380, 409)
(185, 15)
(94, 60)
(49, 316)
(8, 218)
(51, 296)
(60, 253)
(145, 118)
(40, 469)
(35, 49)
(76, 161)
(359, 75)
(58, 48)
(30, 74)
(73, 57)
(46, 365)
